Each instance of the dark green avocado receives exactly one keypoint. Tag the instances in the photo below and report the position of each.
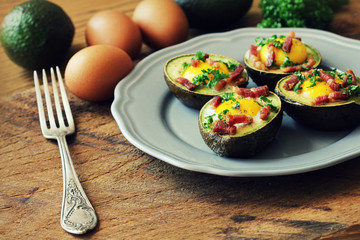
(250, 138)
(214, 14)
(271, 77)
(332, 115)
(201, 94)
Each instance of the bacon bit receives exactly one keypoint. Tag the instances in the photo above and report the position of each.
(255, 60)
(220, 85)
(265, 112)
(321, 99)
(333, 85)
(353, 79)
(325, 76)
(215, 102)
(237, 72)
(206, 55)
(346, 76)
(246, 92)
(222, 128)
(235, 77)
(253, 92)
(310, 62)
(329, 79)
(341, 95)
(195, 63)
(186, 83)
(238, 118)
(288, 42)
(289, 84)
(271, 56)
(261, 91)
(253, 50)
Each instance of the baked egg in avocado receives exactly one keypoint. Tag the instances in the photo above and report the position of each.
(241, 123)
(196, 78)
(328, 100)
(271, 59)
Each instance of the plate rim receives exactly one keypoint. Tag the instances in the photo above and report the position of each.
(120, 101)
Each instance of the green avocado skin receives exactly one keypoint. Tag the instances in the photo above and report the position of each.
(262, 78)
(336, 117)
(244, 146)
(36, 34)
(214, 14)
(188, 98)
(271, 78)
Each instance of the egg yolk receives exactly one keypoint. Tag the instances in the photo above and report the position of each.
(321, 88)
(239, 106)
(297, 53)
(192, 71)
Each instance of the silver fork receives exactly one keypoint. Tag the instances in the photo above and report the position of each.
(77, 214)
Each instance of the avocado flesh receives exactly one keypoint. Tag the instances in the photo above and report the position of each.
(248, 140)
(198, 97)
(337, 115)
(271, 77)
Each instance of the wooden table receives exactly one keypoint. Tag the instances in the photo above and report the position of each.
(137, 196)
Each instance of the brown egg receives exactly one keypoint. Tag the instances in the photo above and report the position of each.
(162, 22)
(114, 28)
(93, 72)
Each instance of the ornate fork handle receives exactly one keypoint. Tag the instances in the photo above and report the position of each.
(77, 214)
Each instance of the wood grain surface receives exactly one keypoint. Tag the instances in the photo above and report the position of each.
(137, 196)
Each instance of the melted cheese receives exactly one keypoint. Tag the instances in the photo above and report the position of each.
(246, 106)
(297, 53)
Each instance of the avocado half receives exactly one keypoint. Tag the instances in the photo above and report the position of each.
(337, 115)
(198, 97)
(271, 77)
(250, 139)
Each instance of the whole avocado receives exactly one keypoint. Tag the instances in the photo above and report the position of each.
(214, 14)
(36, 34)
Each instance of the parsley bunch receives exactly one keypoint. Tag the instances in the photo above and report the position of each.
(298, 13)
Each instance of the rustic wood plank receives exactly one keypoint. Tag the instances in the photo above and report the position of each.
(138, 196)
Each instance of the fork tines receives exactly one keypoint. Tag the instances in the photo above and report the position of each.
(51, 122)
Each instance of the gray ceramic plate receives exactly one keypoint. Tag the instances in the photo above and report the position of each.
(153, 120)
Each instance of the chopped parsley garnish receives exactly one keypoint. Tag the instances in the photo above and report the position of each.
(220, 115)
(313, 78)
(353, 91)
(209, 82)
(236, 105)
(268, 102)
(199, 56)
(261, 41)
(301, 79)
(185, 65)
(226, 96)
(208, 121)
(287, 62)
(230, 65)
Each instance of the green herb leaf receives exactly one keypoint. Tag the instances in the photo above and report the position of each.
(226, 96)
(236, 105)
(208, 121)
(199, 56)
